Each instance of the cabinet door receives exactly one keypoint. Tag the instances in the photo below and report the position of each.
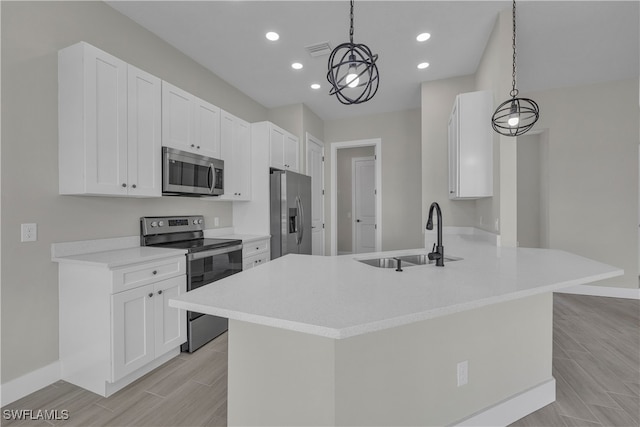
(144, 177)
(235, 141)
(170, 323)
(276, 141)
(291, 153)
(132, 330)
(242, 159)
(105, 124)
(207, 129)
(177, 118)
(453, 153)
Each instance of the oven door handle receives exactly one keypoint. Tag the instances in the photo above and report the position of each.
(213, 252)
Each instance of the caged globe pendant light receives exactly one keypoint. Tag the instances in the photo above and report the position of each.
(353, 72)
(516, 115)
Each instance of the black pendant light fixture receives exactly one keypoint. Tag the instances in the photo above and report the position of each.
(516, 115)
(353, 72)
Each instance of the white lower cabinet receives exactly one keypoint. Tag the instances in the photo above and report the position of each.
(144, 326)
(255, 253)
(116, 324)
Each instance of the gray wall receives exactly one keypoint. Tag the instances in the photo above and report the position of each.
(401, 177)
(593, 172)
(344, 174)
(32, 34)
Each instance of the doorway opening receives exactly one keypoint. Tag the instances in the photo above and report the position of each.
(356, 199)
(533, 190)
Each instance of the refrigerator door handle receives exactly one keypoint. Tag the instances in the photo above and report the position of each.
(298, 220)
(301, 220)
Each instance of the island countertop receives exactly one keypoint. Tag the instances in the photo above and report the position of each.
(339, 297)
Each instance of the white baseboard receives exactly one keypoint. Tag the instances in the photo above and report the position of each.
(514, 408)
(27, 384)
(603, 291)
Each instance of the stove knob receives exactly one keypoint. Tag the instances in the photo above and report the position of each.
(154, 223)
(199, 221)
(161, 224)
(195, 221)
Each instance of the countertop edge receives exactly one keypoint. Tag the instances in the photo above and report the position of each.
(100, 259)
(380, 325)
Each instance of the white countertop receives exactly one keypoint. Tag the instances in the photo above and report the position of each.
(338, 297)
(120, 257)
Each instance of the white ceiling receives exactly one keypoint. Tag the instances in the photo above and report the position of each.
(560, 43)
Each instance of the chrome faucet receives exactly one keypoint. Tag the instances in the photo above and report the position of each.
(438, 250)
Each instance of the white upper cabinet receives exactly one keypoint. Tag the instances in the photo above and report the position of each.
(189, 123)
(144, 133)
(471, 146)
(235, 145)
(109, 125)
(284, 148)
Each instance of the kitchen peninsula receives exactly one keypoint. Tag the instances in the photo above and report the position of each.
(333, 341)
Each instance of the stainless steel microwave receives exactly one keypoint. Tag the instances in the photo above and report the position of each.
(189, 174)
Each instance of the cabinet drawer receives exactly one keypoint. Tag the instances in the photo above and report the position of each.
(142, 274)
(254, 261)
(252, 248)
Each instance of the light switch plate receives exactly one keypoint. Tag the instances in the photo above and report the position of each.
(28, 232)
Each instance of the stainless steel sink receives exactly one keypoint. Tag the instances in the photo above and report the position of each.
(381, 262)
(407, 261)
(421, 259)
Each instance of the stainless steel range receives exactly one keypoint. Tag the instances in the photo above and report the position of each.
(208, 260)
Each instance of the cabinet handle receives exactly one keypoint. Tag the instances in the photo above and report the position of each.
(151, 295)
(133, 186)
(124, 185)
(198, 147)
(160, 292)
(193, 145)
(155, 272)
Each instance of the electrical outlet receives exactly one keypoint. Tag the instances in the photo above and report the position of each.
(216, 221)
(28, 232)
(463, 373)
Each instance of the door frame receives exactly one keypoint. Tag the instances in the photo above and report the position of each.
(353, 199)
(377, 144)
(310, 139)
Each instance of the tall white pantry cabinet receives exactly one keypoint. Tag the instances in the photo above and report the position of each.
(109, 125)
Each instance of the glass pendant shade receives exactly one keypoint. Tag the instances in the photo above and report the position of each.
(353, 73)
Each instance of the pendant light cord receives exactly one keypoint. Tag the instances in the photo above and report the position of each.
(351, 27)
(514, 91)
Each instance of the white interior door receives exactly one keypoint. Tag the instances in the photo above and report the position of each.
(315, 169)
(364, 204)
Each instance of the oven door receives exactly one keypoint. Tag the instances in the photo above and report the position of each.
(208, 266)
(185, 173)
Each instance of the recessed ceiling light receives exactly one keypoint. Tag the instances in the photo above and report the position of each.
(273, 36)
(423, 37)
(423, 65)
(315, 86)
(296, 66)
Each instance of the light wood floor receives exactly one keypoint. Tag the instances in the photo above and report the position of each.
(596, 366)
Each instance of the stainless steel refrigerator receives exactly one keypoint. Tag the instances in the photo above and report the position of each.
(290, 213)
